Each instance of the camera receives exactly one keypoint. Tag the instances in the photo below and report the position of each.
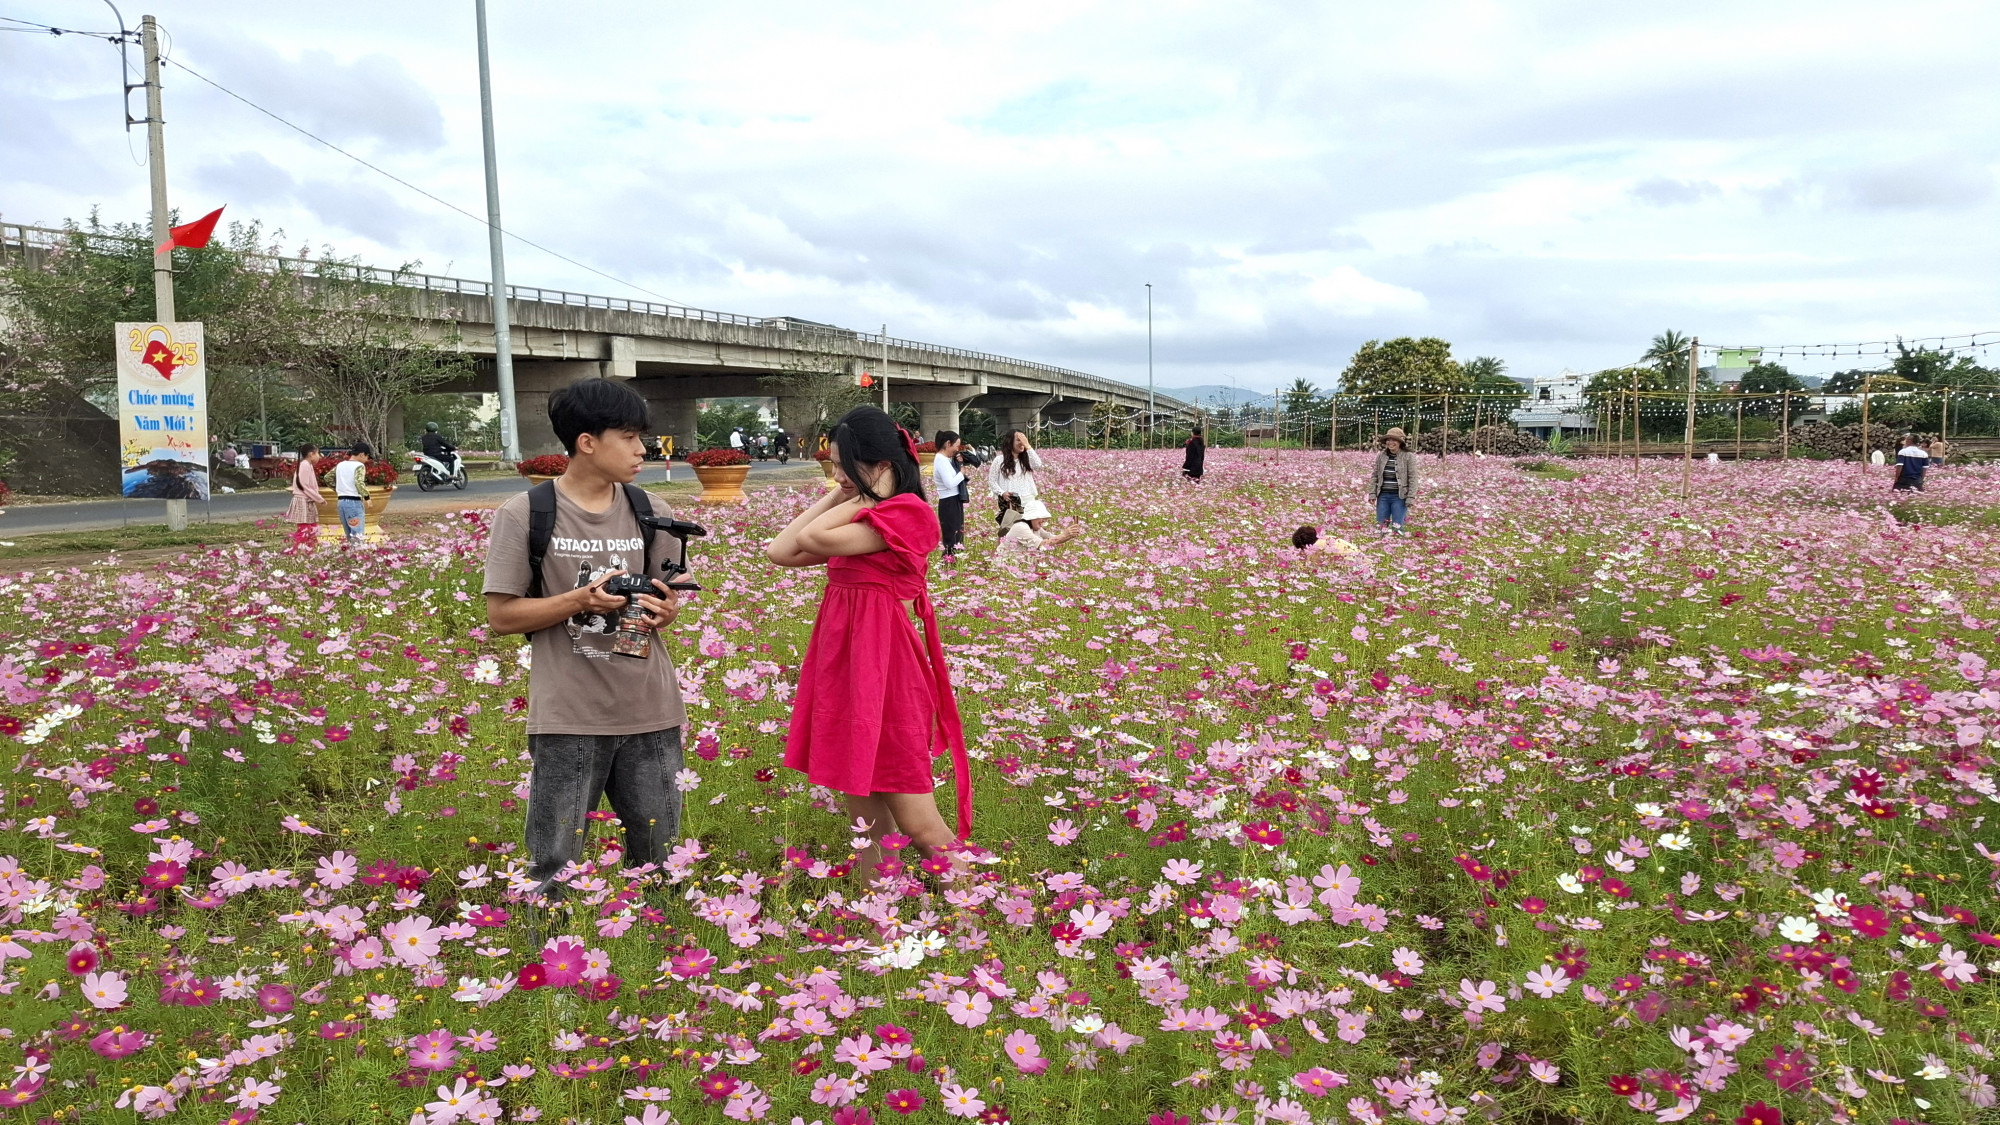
(634, 635)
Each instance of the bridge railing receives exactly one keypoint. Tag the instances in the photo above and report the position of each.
(53, 238)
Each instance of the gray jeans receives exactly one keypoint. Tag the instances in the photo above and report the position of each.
(635, 770)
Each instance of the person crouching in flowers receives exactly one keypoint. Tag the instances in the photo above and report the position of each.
(874, 702)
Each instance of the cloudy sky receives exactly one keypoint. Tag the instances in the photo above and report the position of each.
(1547, 181)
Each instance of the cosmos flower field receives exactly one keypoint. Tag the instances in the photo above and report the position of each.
(1578, 803)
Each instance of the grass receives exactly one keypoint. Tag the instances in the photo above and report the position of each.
(138, 537)
(1550, 470)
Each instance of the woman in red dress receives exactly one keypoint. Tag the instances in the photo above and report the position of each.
(874, 704)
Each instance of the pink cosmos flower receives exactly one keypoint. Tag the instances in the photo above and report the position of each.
(564, 961)
(1481, 997)
(860, 1052)
(968, 1009)
(436, 1050)
(961, 1101)
(1024, 1052)
(115, 1043)
(691, 964)
(1319, 1081)
(104, 991)
(412, 941)
(836, 1090)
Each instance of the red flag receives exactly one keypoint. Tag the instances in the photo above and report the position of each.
(194, 235)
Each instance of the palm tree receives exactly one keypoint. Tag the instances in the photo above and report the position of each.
(1669, 351)
(1301, 402)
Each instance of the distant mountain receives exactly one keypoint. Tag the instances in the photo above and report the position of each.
(1216, 394)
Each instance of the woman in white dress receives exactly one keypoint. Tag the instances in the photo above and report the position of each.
(1013, 474)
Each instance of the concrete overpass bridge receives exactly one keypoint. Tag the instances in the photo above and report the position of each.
(674, 355)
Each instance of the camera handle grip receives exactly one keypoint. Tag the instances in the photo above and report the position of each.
(683, 585)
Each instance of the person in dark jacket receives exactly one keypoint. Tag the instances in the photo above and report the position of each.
(1911, 461)
(1197, 453)
(1392, 483)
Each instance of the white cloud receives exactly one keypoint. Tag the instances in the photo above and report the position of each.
(1527, 179)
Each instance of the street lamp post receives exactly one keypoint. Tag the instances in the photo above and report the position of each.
(503, 344)
(1151, 401)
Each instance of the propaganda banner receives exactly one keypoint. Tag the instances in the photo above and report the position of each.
(162, 411)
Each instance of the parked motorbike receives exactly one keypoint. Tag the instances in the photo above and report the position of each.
(435, 473)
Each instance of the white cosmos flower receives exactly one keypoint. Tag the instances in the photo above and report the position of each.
(1795, 928)
(1570, 883)
(1676, 841)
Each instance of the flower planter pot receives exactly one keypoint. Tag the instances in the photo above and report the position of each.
(722, 484)
(826, 467)
(374, 506)
(536, 478)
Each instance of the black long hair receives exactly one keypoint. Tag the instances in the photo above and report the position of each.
(1008, 465)
(867, 436)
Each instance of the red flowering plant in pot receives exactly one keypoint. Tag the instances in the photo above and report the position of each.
(379, 474)
(547, 465)
(718, 458)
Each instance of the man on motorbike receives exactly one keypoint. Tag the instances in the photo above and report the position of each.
(440, 461)
(435, 446)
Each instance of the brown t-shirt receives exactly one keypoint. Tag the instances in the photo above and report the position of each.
(576, 684)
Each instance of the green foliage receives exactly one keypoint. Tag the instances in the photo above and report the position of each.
(331, 351)
(457, 416)
(1718, 427)
(1404, 366)
(723, 415)
(57, 308)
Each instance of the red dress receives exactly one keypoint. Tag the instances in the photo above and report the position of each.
(874, 704)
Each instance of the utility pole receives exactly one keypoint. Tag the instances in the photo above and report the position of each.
(163, 260)
(1687, 445)
(156, 159)
(503, 335)
(1150, 400)
(1865, 442)
(1784, 425)
(885, 369)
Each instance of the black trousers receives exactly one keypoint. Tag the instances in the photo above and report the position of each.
(951, 523)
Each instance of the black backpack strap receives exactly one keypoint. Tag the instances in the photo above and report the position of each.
(541, 529)
(642, 505)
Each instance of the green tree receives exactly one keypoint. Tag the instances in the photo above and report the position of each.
(1404, 366)
(1391, 380)
(1936, 367)
(1768, 379)
(363, 353)
(1495, 395)
(1669, 352)
(57, 308)
(1662, 391)
(723, 415)
(1305, 413)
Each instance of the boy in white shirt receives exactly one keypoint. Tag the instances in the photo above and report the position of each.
(350, 490)
(950, 482)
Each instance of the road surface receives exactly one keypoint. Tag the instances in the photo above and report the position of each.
(97, 515)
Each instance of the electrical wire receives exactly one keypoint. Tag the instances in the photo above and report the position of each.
(32, 27)
(302, 131)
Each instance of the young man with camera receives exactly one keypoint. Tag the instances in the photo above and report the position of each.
(948, 475)
(604, 710)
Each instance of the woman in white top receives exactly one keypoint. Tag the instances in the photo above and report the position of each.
(1017, 532)
(1013, 474)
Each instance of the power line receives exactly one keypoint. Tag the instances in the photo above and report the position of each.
(30, 26)
(302, 131)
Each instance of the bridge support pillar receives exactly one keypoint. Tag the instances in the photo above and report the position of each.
(534, 381)
(1015, 412)
(937, 403)
(1079, 428)
(395, 432)
(673, 411)
(796, 417)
